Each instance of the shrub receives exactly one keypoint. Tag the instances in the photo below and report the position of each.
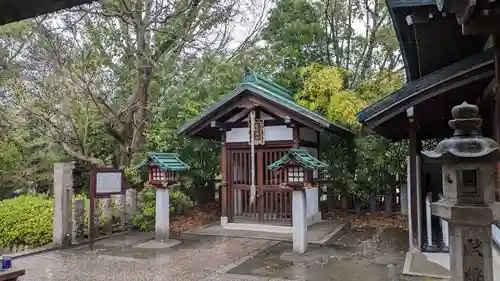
(144, 220)
(26, 220)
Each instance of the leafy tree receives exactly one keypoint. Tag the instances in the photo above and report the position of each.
(369, 164)
(323, 90)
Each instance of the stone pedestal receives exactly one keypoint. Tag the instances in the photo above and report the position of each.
(79, 221)
(120, 209)
(63, 193)
(107, 214)
(299, 222)
(130, 206)
(162, 219)
(469, 163)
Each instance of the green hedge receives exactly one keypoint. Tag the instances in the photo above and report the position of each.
(144, 220)
(26, 220)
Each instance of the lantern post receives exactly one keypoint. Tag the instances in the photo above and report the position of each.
(299, 168)
(469, 162)
(163, 173)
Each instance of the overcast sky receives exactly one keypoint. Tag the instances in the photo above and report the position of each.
(244, 26)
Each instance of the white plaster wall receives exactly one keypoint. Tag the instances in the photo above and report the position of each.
(314, 152)
(308, 134)
(263, 116)
(271, 133)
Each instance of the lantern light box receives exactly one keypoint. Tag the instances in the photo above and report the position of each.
(298, 166)
(163, 168)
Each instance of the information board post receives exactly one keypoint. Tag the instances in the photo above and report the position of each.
(104, 182)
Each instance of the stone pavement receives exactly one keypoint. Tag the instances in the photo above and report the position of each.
(318, 233)
(117, 259)
(361, 254)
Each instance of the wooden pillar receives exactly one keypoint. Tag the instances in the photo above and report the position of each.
(496, 120)
(224, 192)
(296, 137)
(414, 205)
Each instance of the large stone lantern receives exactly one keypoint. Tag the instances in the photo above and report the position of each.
(469, 162)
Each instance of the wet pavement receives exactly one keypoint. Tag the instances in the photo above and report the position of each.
(360, 254)
(115, 259)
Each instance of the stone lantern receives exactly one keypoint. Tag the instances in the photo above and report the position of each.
(469, 162)
(163, 172)
(160, 177)
(299, 167)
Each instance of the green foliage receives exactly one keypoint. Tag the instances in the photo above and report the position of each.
(144, 220)
(368, 163)
(26, 220)
(323, 90)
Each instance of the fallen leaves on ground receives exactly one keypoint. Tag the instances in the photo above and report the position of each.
(196, 217)
(379, 220)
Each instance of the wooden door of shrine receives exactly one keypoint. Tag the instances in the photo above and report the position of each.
(273, 204)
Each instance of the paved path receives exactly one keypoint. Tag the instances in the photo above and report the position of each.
(361, 254)
(121, 260)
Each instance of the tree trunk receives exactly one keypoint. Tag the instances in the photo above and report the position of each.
(373, 203)
(388, 200)
(344, 203)
(357, 205)
(330, 195)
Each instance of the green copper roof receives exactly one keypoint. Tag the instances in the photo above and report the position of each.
(166, 161)
(272, 92)
(300, 156)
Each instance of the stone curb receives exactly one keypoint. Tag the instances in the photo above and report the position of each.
(335, 234)
(50, 247)
(238, 262)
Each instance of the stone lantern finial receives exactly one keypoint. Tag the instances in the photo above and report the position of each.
(466, 120)
(467, 143)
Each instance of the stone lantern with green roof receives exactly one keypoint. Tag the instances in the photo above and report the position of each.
(298, 167)
(163, 172)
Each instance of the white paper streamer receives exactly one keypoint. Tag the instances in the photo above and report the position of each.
(252, 157)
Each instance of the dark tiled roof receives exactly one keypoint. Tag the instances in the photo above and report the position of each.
(409, 3)
(16, 10)
(426, 82)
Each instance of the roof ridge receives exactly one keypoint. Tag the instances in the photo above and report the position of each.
(170, 153)
(253, 77)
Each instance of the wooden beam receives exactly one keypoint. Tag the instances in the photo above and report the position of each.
(251, 101)
(296, 137)
(430, 92)
(414, 196)
(224, 186)
(309, 144)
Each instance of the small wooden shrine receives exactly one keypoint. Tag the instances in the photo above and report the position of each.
(257, 124)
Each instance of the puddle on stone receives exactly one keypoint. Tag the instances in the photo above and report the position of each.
(137, 253)
(318, 264)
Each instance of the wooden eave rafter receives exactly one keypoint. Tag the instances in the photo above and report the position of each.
(17, 10)
(247, 101)
(454, 76)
